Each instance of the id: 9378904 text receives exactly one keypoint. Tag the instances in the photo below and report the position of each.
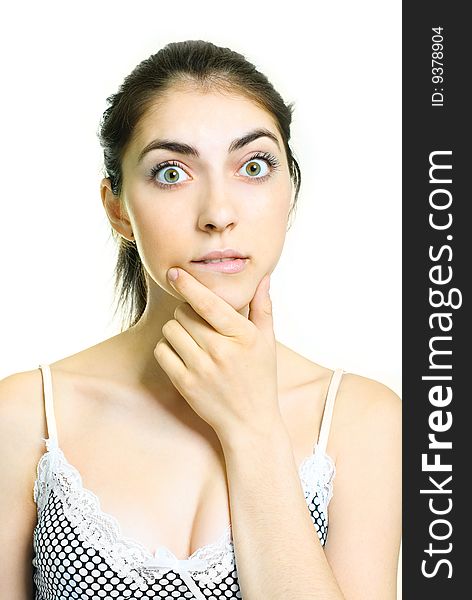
(437, 66)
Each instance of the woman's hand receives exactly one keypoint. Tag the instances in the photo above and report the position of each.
(223, 364)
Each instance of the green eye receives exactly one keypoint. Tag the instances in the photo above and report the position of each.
(253, 168)
(167, 174)
(171, 174)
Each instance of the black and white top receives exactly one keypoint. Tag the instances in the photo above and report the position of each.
(80, 552)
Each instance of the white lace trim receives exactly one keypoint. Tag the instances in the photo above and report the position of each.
(317, 473)
(99, 530)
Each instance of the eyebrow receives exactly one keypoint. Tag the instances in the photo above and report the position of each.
(188, 150)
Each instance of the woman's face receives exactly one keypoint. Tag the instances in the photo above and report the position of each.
(216, 194)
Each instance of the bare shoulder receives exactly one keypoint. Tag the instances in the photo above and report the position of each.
(366, 502)
(21, 431)
(22, 422)
(365, 409)
(22, 408)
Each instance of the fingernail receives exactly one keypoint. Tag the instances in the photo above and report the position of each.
(173, 274)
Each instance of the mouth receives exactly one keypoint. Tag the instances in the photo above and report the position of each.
(222, 265)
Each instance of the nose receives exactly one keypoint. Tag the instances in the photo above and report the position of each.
(217, 209)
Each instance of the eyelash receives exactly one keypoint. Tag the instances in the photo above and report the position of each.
(270, 159)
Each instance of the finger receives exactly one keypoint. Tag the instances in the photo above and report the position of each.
(218, 313)
(260, 308)
(182, 342)
(200, 330)
(171, 363)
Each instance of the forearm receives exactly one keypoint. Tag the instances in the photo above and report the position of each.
(278, 553)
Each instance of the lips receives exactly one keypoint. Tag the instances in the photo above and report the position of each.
(217, 260)
(228, 266)
(221, 254)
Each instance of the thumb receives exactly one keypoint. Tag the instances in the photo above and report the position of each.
(260, 307)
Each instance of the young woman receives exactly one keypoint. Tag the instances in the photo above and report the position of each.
(193, 455)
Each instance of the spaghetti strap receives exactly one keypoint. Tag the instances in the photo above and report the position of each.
(328, 410)
(52, 440)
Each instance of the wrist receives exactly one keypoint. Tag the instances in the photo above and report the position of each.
(244, 441)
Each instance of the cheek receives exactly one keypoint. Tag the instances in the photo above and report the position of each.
(160, 245)
(270, 222)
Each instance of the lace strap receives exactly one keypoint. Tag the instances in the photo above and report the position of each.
(328, 409)
(49, 407)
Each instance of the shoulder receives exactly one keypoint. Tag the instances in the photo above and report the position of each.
(361, 403)
(22, 417)
(366, 414)
(21, 401)
(365, 411)
(22, 427)
(366, 502)
(367, 438)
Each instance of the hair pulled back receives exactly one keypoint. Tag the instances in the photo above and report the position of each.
(195, 63)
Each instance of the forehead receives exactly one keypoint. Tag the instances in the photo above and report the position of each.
(206, 119)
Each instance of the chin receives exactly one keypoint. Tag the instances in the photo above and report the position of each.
(237, 299)
(236, 294)
(236, 289)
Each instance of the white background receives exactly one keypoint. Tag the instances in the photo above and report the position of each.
(337, 288)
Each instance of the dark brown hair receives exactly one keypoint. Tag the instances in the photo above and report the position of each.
(191, 62)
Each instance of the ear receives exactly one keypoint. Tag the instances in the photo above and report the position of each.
(292, 201)
(115, 210)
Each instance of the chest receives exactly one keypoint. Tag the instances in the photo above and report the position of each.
(161, 473)
(77, 547)
(138, 501)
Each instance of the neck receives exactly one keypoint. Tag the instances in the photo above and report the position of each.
(140, 340)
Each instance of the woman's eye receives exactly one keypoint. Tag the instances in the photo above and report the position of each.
(255, 168)
(170, 175)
